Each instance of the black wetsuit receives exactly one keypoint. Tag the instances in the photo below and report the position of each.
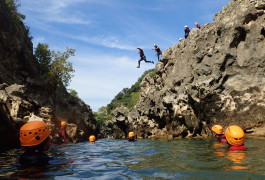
(187, 32)
(32, 158)
(142, 57)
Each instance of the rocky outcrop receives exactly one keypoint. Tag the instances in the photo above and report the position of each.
(24, 94)
(215, 76)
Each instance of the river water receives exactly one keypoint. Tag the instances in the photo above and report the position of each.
(144, 159)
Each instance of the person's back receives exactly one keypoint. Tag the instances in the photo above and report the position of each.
(33, 158)
(34, 139)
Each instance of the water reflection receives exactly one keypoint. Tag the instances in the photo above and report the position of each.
(144, 159)
(236, 157)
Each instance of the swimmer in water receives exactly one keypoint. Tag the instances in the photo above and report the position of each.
(235, 138)
(35, 141)
(219, 134)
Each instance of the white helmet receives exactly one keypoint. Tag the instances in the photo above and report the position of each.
(155, 45)
(180, 39)
(185, 26)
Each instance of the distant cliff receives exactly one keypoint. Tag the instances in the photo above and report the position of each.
(23, 92)
(215, 76)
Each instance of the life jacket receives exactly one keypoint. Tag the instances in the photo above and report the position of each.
(242, 147)
(221, 138)
(63, 131)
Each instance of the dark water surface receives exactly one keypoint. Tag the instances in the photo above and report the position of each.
(144, 159)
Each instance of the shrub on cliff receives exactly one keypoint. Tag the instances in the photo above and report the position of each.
(13, 7)
(128, 97)
(54, 65)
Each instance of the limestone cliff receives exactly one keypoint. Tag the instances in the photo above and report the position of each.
(215, 76)
(23, 92)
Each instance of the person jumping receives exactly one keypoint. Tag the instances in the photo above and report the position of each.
(142, 57)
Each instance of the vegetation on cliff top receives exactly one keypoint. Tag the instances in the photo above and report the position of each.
(54, 65)
(13, 7)
(128, 97)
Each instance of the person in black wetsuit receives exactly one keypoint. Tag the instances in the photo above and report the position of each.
(34, 139)
(131, 136)
(158, 51)
(142, 57)
(187, 31)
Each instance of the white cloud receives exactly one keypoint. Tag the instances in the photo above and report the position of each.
(102, 77)
(55, 11)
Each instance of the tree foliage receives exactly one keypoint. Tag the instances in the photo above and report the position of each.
(73, 92)
(102, 116)
(13, 7)
(54, 65)
(128, 97)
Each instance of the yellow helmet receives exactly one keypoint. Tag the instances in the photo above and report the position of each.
(235, 135)
(33, 133)
(217, 129)
(63, 123)
(131, 134)
(92, 138)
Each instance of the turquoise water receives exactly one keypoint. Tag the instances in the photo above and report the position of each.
(144, 159)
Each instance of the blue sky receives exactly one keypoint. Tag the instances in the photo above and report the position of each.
(106, 33)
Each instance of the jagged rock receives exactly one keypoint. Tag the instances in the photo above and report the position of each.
(215, 76)
(23, 92)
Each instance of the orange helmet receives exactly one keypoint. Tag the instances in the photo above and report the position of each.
(63, 123)
(92, 138)
(131, 134)
(235, 135)
(217, 129)
(33, 133)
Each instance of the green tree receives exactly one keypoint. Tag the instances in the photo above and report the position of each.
(54, 65)
(13, 7)
(61, 70)
(129, 96)
(73, 92)
(44, 57)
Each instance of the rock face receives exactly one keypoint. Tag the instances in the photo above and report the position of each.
(23, 92)
(215, 76)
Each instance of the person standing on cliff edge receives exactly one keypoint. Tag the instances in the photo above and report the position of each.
(158, 51)
(142, 57)
(187, 31)
(197, 25)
